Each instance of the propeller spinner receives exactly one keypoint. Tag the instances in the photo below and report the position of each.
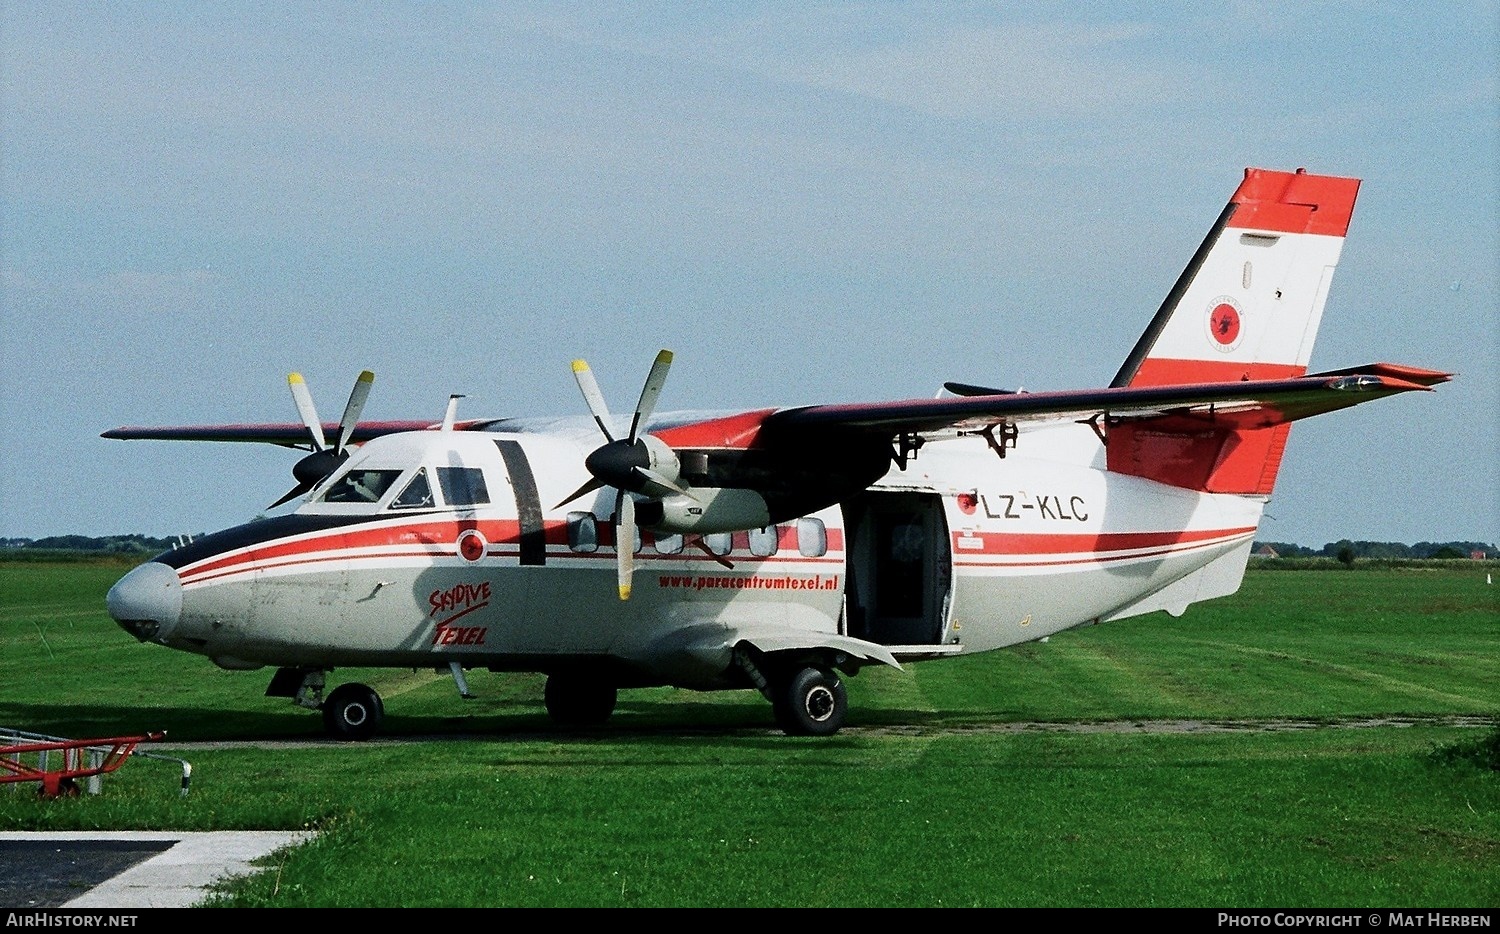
(635, 464)
(325, 458)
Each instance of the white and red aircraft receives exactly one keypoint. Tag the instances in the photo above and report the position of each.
(779, 549)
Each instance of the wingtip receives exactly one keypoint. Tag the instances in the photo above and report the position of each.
(1385, 383)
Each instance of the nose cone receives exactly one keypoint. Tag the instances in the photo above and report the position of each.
(147, 601)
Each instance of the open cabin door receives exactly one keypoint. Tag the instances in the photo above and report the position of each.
(900, 568)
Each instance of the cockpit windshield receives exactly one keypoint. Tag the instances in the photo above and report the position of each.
(360, 486)
(397, 474)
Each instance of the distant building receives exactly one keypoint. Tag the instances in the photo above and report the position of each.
(1266, 551)
(1477, 554)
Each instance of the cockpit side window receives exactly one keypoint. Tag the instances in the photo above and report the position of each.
(360, 486)
(417, 495)
(463, 486)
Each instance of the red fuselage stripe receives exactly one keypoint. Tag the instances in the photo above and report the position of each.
(1022, 543)
(428, 540)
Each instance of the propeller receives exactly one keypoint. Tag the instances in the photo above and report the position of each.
(635, 464)
(325, 458)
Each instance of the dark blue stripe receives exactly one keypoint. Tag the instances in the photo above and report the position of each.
(259, 532)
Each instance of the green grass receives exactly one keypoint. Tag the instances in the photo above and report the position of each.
(690, 799)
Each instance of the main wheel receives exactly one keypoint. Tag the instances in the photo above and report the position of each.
(575, 701)
(812, 702)
(352, 711)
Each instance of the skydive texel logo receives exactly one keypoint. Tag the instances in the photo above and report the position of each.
(1225, 327)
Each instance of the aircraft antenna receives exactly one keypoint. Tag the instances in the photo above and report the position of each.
(452, 411)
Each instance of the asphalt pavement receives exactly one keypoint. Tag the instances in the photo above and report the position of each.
(127, 869)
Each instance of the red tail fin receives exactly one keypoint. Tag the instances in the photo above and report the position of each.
(1247, 307)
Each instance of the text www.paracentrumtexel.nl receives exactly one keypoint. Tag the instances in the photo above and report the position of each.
(747, 582)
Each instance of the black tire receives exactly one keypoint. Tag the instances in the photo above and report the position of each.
(812, 702)
(574, 701)
(352, 711)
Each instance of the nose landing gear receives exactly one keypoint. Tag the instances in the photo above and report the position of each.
(350, 711)
(353, 711)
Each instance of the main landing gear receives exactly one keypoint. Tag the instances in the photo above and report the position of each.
(578, 700)
(810, 702)
(806, 693)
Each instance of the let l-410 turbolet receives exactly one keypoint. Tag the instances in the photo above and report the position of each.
(779, 549)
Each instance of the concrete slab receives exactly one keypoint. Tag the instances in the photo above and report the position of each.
(168, 869)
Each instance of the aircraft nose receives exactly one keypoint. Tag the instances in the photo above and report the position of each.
(147, 601)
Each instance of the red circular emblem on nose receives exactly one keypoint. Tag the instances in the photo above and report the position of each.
(471, 545)
(1224, 323)
(966, 502)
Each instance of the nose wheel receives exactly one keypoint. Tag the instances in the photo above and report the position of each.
(353, 712)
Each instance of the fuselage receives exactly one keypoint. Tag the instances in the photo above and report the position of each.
(439, 546)
(782, 548)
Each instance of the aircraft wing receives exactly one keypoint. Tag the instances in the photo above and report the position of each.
(1248, 404)
(288, 435)
(1255, 403)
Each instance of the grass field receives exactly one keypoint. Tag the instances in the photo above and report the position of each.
(934, 796)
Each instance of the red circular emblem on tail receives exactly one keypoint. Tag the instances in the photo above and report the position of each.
(471, 545)
(1224, 325)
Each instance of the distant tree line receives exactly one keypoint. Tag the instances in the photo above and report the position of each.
(1348, 551)
(107, 544)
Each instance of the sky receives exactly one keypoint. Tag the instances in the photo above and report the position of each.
(806, 202)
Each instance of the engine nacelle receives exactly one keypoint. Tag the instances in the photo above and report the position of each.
(661, 461)
(707, 510)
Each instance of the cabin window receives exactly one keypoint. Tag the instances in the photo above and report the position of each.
(668, 544)
(763, 541)
(361, 486)
(812, 538)
(463, 486)
(583, 531)
(719, 543)
(417, 495)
